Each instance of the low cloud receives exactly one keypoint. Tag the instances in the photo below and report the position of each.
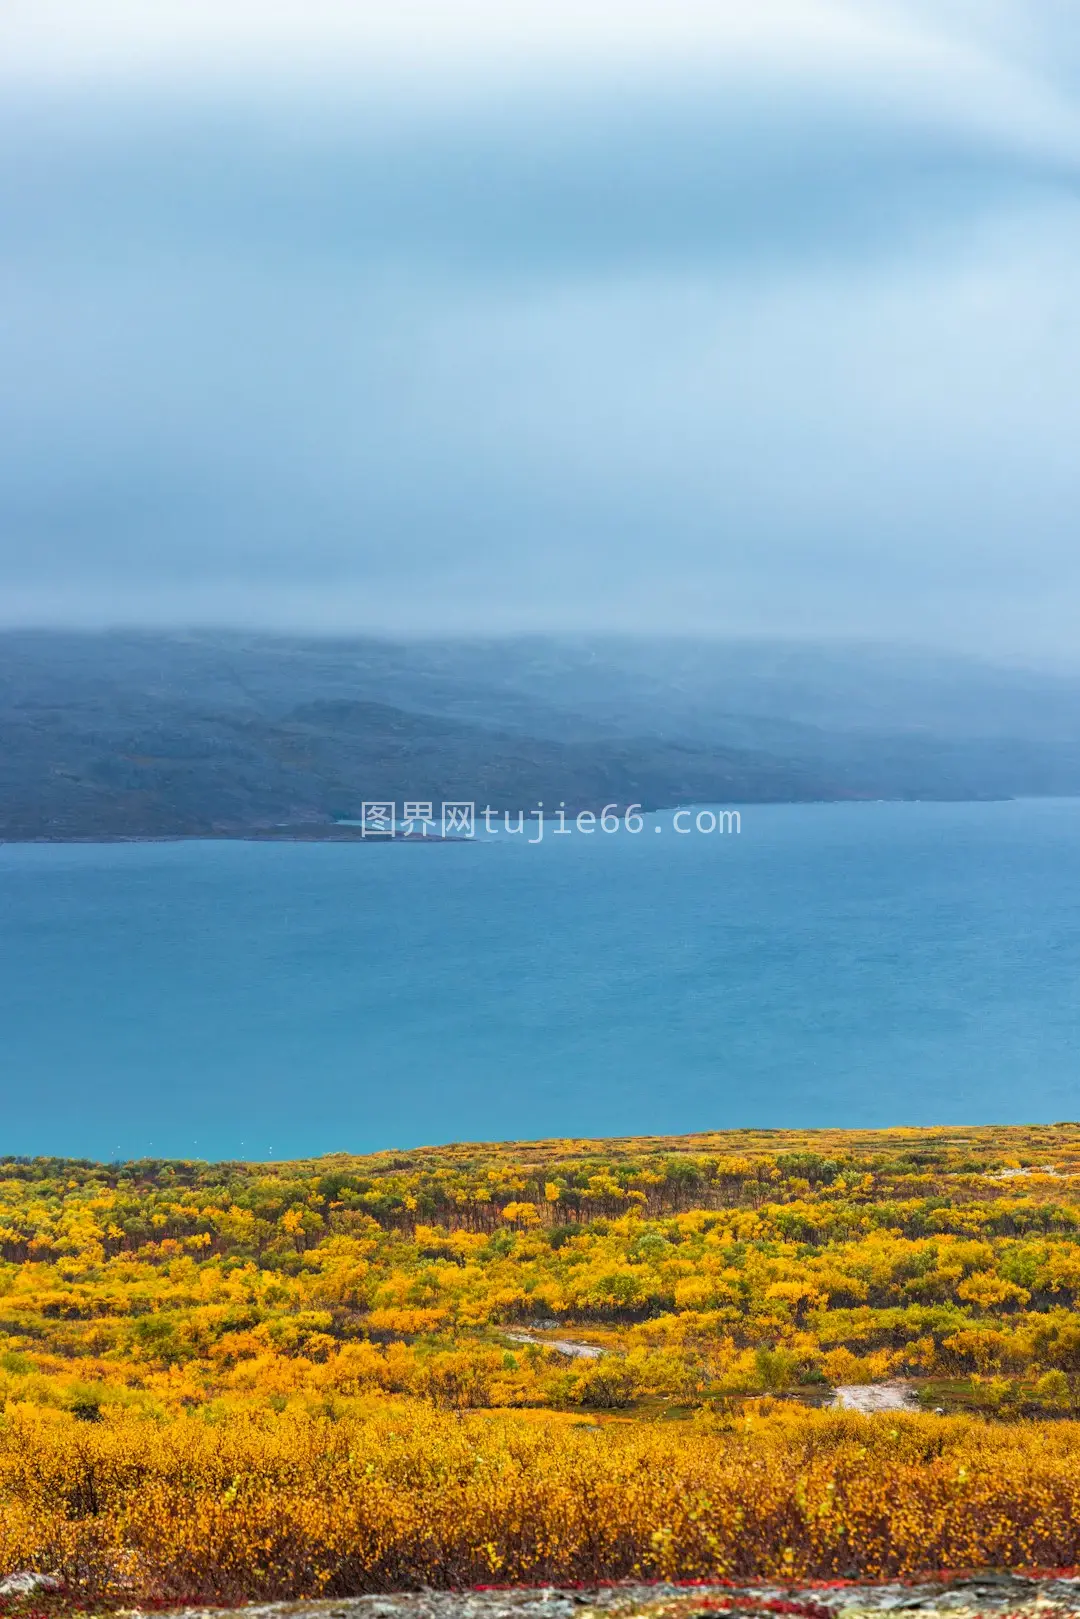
(759, 341)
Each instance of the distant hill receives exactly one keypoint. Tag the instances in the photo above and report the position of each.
(126, 735)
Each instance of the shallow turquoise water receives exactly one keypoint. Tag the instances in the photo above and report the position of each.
(833, 965)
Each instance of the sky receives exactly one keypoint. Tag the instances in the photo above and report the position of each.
(596, 315)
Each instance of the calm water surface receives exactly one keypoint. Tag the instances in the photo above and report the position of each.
(833, 965)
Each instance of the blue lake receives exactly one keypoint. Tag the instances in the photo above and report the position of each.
(860, 964)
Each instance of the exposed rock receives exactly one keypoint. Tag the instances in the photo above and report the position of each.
(868, 1397)
(961, 1598)
(28, 1583)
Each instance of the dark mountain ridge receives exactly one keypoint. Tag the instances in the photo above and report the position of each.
(138, 734)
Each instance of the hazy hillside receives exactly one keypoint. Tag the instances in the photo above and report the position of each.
(140, 734)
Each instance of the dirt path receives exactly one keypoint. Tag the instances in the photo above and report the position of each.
(565, 1346)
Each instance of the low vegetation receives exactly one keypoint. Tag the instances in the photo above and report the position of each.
(399, 1494)
(240, 1380)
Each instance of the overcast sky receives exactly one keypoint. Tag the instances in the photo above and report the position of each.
(706, 315)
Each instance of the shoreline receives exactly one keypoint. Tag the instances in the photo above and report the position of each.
(342, 833)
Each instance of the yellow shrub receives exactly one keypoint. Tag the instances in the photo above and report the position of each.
(399, 1495)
